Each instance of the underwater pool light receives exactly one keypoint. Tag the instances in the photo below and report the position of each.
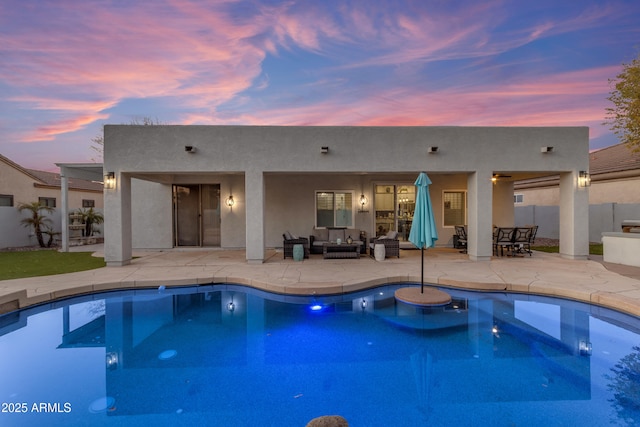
(316, 307)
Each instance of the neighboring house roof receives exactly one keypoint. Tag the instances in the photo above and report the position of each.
(616, 158)
(50, 179)
(53, 180)
(607, 163)
(18, 167)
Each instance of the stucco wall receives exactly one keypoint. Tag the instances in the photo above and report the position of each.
(623, 191)
(614, 191)
(287, 162)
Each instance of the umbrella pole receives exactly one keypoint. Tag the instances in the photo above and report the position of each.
(422, 272)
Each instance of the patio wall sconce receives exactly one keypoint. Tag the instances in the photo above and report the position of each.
(190, 149)
(584, 179)
(110, 181)
(229, 201)
(324, 150)
(363, 201)
(546, 149)
(433, 150)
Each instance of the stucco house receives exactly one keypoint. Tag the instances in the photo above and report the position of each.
(20, 185)
(614, 194)
(244, 186)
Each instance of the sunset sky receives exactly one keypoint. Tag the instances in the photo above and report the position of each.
(69, 66)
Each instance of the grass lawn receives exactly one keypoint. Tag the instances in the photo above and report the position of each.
(594, 249)
(16, 265)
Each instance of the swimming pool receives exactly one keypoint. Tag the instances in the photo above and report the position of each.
(233, 356)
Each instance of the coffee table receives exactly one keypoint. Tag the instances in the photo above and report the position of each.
(332, 250)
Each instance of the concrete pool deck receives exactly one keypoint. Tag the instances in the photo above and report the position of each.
(609, 285)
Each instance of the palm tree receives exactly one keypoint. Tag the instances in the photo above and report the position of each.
(36, 220)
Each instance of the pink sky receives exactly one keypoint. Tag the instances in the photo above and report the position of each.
(68, 67)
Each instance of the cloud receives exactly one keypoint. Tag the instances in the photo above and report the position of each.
(67, 65)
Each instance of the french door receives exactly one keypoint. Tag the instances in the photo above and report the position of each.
(394, 207)
(196, 215)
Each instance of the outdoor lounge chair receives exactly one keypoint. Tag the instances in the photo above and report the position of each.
(390, 242)
(461, 242)
(290, 241)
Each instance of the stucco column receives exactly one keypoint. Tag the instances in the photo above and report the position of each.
(254, 202)
(117, 222)
(479, 215)
(64, 206)
(574, 217)
(503, 209)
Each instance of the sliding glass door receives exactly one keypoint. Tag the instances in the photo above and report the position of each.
(196, 211)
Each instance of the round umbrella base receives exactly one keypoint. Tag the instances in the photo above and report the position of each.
(430, 297)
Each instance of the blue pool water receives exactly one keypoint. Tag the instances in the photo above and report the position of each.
(226, 355)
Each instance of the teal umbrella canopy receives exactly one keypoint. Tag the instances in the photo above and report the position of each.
(423, 228)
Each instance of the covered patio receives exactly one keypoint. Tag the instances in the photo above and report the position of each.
(273, 175)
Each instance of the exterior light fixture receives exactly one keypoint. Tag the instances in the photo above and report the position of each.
(324, 150)
(112, 360)
(433, 150)
(110, 181)
(546, 149)
(190, 149)
(585, 348)
(584, 179)
(363, 201)
(230, 202)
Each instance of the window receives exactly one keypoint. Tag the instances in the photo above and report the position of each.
(455, 208)
(334, 209)
(88, 203)
(47, 201)
(518, 198)
(6, 200)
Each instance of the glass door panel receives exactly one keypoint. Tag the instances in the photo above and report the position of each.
(210, 215)
(186, 210)
(384, 205)
(406, 199)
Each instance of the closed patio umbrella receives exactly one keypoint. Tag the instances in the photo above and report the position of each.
(423, 229)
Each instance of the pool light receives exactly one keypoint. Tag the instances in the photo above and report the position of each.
(316, 307)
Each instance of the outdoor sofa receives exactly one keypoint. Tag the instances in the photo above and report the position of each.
(320, 236)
